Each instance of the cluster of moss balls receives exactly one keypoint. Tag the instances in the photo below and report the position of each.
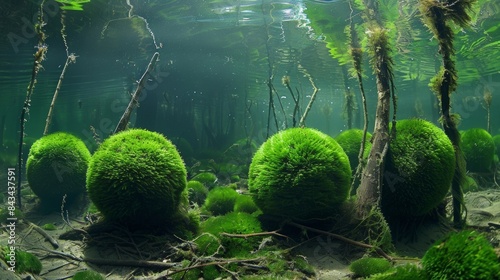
(479, 149)
(300, 173)
(419, 169)
(137, 177)
(56, 166)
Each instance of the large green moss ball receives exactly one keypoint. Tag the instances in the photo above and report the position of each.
(478, 148)
(136, 177)
(56, 166)
(462, 255)
(299, 173)
(350, 141)
(419, 168)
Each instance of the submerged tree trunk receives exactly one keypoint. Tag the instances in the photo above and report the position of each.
(371, 180)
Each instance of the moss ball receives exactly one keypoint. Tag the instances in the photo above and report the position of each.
(462, 255)
(137, 177)
(56, 166)
(368, 266)
(300, 173)
(350, 141)
(24, 261)
(419, 168)
(470, 185)
(207, 244)
(197, 192)
(220, 200)
(88, 275)
(496, 140)
(206, 178)
(245, 203)
(479, 148)
(234, 223)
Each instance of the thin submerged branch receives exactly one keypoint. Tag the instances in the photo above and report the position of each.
(313, 95)
(70, 59)
(37, 65)
(122, 124)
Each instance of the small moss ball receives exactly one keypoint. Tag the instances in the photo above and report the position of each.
(368, 266)
(24, 261)
(419, 168)
(207, 244)
(462, 255)
(220, 200)
(300, 173)
(206, 178)
(245, 203)
(496, 140)
(234, 223)
(479, 148)
(350, 141)
(470, 185)
(88, 275)
(56, 166)
(197, 192)
(136, 177)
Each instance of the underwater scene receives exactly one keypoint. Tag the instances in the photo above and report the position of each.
(245, 139)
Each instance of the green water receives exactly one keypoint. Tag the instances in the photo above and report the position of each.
(210, 85)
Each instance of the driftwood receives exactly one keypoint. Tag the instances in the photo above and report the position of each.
(42, 232)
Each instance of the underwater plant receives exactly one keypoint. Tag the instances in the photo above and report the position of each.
(350, 141)
(419, 168)
(300, 173)
(234, 223)
(368, 266)
(479, 148)
(220, 200)
(436, 15)
(137, 177)
(56, 167)
(462, 255)
(72, 5)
